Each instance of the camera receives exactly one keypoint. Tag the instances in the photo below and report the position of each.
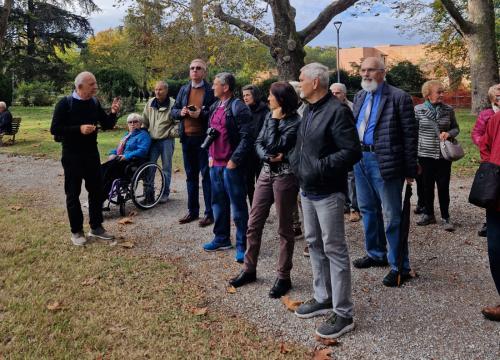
(212, 134)
(191, 108)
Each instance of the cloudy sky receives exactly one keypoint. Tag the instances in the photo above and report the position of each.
(366, 30)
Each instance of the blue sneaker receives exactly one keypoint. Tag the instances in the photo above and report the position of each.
(240, 256)
(216, 246)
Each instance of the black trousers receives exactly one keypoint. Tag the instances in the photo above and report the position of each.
(436, 172)
(111, 170)
(78, 167)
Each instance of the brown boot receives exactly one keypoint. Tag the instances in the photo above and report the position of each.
(491, 313)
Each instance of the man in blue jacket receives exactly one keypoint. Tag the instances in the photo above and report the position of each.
(232, 142)
(191, 108)
(387, 130)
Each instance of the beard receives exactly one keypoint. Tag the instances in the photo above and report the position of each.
(369, 85)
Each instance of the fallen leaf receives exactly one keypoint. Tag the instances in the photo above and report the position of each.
(327, 342)
(322, 354)
(89, 281)
(366, 290)
(16, 207)
(127, 244)
(125, 221)
(54, 306)
(132, 213)
(199, 311)
(283, 349)
(290, 304)
(35, 145)
(231, 290)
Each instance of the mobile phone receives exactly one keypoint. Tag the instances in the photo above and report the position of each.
(191, 108)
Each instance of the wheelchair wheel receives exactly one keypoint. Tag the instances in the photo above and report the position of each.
(148, 184)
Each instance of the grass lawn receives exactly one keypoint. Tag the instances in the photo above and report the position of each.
(34, 138)
(58, 301)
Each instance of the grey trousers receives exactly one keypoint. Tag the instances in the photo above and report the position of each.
(329, 255)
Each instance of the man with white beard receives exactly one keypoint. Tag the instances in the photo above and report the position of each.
(388, 133)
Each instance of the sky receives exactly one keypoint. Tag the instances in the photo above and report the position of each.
(365, 30)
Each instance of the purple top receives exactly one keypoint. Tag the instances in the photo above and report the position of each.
(220, 150)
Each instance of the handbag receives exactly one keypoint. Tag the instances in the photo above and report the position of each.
(485, 190)
(451, 150)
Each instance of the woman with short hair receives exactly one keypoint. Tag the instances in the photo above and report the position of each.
(436, 122)
(276, 184)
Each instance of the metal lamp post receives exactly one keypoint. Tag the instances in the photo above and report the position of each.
(337, 25)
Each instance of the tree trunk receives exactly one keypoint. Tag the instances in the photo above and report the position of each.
(289, 57)
(30, 29)
(199, 28)
(4, 20)
(481, 43)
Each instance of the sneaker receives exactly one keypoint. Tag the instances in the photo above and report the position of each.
(355, 216)
(447, 225)
(312, 308)
(239, 257)
(391, 279)
(334, 327)
(100, 233)
(306, 251)
(426, 220)
(78, 239)
(483, 231)
(216, 246)
(367, 262)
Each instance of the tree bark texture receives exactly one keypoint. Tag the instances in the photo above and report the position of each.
(286, 44)
(479, 34)
(4, 19)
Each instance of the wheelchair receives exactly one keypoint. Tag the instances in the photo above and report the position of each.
(143, 183)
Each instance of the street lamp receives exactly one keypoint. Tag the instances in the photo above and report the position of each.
(337, 25)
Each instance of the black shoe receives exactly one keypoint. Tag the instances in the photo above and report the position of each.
(419, 210)
(426, 220)
(280, 288)
(367, 262)
(483, 231)
(391, 279)
(187, 219)
(243, 278)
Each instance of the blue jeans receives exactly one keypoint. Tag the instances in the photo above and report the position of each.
(229, 195)
(165, 149)
(380, 204)
(493, 224)
(196, 162)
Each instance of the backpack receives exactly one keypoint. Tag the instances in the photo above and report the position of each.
(69, 102)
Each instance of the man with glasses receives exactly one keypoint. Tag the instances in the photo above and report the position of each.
(192, 108)
(163, 129)
(387, 131)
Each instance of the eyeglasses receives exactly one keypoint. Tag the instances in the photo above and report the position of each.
(370, 70)
(133, 122)
(196, 68)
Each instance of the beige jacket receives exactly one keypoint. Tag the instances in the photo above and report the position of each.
(159, 122)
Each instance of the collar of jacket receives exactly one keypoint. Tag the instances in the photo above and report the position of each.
(261, 105)
(320, 102)
(158, 105)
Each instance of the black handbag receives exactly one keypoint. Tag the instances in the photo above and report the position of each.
(485, 189)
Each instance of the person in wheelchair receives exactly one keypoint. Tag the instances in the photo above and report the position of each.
(133, 149)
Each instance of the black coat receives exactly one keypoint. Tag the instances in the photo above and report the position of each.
(277, 136)
(327, 146)
(396, 132)
(259, 114)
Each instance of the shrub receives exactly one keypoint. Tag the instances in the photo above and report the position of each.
(36, 93)
(6, 89)
(406, 76)
(116, 83)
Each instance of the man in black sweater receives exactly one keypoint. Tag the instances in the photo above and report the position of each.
(74, 123)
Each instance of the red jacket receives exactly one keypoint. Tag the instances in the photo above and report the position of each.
(480, 125)
(490, 144)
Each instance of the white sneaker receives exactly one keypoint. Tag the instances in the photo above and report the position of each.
(78, 239)
(100, 233)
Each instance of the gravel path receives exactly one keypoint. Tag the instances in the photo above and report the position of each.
(435, 316)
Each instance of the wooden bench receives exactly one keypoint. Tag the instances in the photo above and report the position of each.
(16, 123)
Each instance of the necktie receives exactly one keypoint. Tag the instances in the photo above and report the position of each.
(366, 118)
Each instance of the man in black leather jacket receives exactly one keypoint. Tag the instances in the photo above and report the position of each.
(327, 146)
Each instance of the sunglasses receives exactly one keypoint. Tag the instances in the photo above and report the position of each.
(196, 68)
(133, 122)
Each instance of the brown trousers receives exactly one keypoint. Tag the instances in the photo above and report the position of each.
(282, 190)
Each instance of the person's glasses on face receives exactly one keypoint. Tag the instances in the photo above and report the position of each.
(197, 68)
(133, 122)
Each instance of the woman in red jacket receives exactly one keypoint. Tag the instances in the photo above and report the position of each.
(490, 152)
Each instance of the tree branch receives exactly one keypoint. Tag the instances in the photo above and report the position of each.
(243, 25)
(4, 19)
(317, 26)
(465, 26)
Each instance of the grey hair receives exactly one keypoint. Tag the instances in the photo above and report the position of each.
(135, 116)
(318, 71)
(379, 63)
(228, 79)
(81, 77)
(3, 105)
(164, 83)
(491, 93)
(296, 87)
(339, 85)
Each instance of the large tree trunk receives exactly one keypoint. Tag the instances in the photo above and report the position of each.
(481, 43)
(479, 34)
(4, 19)
(198, 26)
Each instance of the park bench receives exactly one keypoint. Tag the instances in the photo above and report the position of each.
(16, 123)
